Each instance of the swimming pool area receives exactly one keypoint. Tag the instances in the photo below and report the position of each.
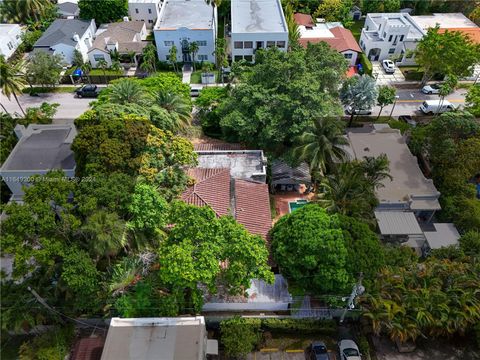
(297, 204)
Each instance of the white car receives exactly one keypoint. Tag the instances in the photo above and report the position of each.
(349, 350)
(349, 110)
(431, 89)
(388, 66)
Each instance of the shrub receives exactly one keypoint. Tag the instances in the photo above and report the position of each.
(240, 336)
(367, 65)
(302, 326)
(52, 345)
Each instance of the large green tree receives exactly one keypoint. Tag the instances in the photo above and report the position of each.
(104, 11)
(360, 93)
(473, 100)
(281, 95)
(44, 69)
(12, 81)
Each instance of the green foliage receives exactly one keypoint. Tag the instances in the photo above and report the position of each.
(240, 336)
(386, 96)
(281, 95)
(35, 13)
(300, 326)
(208, 112)
(42, 114)
(52, 345)
(104, 11)
(359, 92)
(450, 53)
(79, 272)
(44, 69)
(374, 6)
(366, 64)
(399, 256)
(335, 10)
(29, 38)
(470, 243)
(473, 100)
(309, 247)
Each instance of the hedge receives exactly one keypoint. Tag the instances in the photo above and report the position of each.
(302, 326)
(367, 65)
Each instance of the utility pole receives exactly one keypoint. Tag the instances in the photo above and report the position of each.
(394, 103)
(43, 302)
(358, 289)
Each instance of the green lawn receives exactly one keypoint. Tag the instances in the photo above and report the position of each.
(196, 77)
(356, 28)
(94, 72)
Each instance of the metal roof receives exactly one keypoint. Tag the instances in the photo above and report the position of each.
(444, 235)
(397, 223)
(282, 173)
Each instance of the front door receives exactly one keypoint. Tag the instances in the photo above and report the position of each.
(186, 51)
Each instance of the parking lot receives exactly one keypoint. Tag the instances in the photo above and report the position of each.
(386, 79)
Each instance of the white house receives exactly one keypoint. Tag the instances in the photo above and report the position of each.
(40, 148)
(182, 22)
(145, 10)
(64, 36)
(257, 24)
(10, 39)
(124, 37)
(332, 33)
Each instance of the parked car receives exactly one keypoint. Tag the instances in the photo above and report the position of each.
(388, 66)
(195, 91)
(318, 351)
(349, 350)
(349, 111)
(88, 91)
(436, 106)
(408, 119)
(431, 89)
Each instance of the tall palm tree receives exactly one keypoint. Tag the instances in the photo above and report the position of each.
(127, 91)
(293, 29)
(22, 11)
(12, 81)
(102, 64)
(193, 48)
(321, 146)
(376, 169)
(177, 104)
(86, 68)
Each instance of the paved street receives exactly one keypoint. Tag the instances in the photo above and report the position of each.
(69, 109)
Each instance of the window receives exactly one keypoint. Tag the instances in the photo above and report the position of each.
(391, 51)
(149, 11)
(238, 57)
(390, 38)
(348, 56)
(168, 43)
(167, 57)
(248, 44)
(259, 44)
(150, 21)
(238, 44)
(270, 44)
(136, 11)
(367, 28)
(361, 43)
(281, 44)
(248, 58)
(202, 57)
(202, 43)
(401, 37)
(384, 35)
(98, 57)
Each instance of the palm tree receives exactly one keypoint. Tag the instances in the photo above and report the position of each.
(293, 29)
(116, 66)
(177, 104)
(12, 81)
(86, 68)
(172, 56)
(102, 64)
(360, 93)
(149, 59)
(23, 11)
(322, 145)
(193, 48)
(376, 169)
(220, 55)
(127, 91)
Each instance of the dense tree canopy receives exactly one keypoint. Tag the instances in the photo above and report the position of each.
(104, 11)
(281, 95)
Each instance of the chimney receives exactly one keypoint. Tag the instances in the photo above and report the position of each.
(76, 37)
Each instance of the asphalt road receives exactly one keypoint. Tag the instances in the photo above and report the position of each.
(410, 100)
(70, 107)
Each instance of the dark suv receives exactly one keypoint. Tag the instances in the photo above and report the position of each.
(87, 91)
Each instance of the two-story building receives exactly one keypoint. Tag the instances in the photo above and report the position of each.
(182, 22)
(145, 10)
(64, 36)
(257, 24)
(10, 39)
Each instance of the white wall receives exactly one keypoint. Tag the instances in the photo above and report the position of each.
(190, 35)
(106, 57)
(10, 40)
(143, 12)
(254, 37)
(354, 55)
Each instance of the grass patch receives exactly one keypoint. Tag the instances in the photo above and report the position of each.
(356, 29)
(196, 77)
(99, 72)
(297, 342)
(43, 90)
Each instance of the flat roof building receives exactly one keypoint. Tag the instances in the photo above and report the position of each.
(182, 22)
(257, 24)
(443, 21)
(40, 149)
(145, 10)
(182, 338)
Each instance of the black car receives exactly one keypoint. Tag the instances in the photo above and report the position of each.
(318, 351)
(88, 91)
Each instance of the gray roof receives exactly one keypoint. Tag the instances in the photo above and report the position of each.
(397, 223)
(124, 32)
(444, 235)
(61, 31)
(282, 173)
(257, 16)
(42, 147)
(190, 14)
(68, 9)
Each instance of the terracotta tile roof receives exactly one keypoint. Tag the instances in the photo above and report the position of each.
(218, 146)
(472, 33)
(303, 19)
(342, 41)
(252, 206)
(212, 187)
(88, 348)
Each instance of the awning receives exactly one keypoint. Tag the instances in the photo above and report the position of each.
(397, 223)
(444, 235)
(425, 205)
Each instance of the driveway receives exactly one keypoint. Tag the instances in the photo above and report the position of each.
(386, 79)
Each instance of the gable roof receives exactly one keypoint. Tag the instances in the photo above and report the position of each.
(472, 33)
(303, 19)
(61, 31)
(252, 206)
(68, 8)
(342, 40)
(123, 32)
